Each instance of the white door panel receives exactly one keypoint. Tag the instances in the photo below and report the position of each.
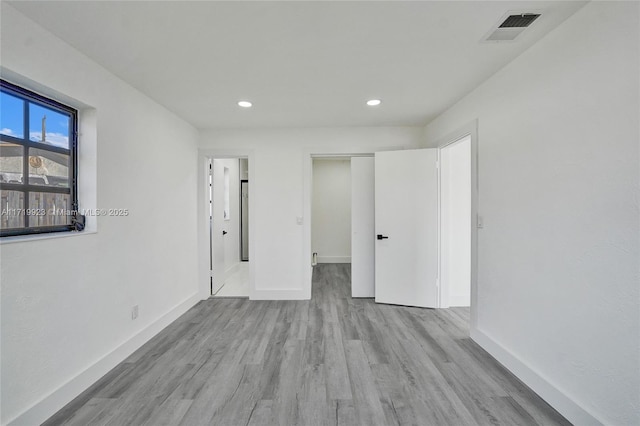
(218, 226)
(362, 227)
(406, 212)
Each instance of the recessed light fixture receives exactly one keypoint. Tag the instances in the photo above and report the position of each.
(373, 102)
(245, 104)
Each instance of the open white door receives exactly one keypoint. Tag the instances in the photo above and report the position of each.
(362, 227)
(406, 217)
(218, 227)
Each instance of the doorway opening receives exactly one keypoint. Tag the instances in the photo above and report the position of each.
(342, 223)
(331, 224)
(459, 224)
(455, 223)
(229, 227)
(403, 241)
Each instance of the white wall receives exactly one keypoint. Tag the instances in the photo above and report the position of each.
(66, 302)
(331, 210)
(558, 173)
(280, 169)
(455, 198)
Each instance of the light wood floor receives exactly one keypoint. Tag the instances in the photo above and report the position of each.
(329, 361)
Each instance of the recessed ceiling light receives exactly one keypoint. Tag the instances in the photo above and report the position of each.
(245, 104)
(373, 102)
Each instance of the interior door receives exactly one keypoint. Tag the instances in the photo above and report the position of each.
(362, 227)
(406, 222)
(217, 227)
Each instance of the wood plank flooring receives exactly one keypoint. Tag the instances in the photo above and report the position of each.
(332, 360)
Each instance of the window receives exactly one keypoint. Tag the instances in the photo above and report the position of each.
(38, 163)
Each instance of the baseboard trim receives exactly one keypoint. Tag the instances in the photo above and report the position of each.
(50, 404)
(334, 259)
(459, 300)
(554, 396)
(279, 294)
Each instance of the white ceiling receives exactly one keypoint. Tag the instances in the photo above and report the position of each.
(300, 63)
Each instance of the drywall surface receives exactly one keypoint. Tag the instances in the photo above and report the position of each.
(455, 199)
(280, 164)
(331, 210)
(558, 191)
(66, 302)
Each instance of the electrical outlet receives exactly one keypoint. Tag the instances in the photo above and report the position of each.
(134, 312)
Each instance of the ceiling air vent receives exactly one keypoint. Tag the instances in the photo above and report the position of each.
(511, 25)
(519, 21)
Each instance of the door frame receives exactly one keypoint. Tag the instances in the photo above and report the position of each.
(470, 129)
(204, 155)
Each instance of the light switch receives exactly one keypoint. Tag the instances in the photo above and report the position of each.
(480, 222)
(299, 220)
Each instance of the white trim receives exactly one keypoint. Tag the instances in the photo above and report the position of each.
(541, 385)
(50, 404)
(204, 255)
(279, 294)
(47, 236)
(455, 300)
(334, 259)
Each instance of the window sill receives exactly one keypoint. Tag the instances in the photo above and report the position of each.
(38, 237)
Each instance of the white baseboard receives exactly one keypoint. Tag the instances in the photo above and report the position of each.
(334, 259)
(554, 396)
(459, 300)
(279, 294)
(50, 404)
